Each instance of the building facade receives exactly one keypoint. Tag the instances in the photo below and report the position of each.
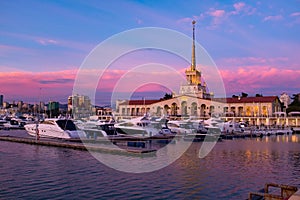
(194, 100)
(185, 105)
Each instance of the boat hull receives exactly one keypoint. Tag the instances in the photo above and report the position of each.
(53, 133)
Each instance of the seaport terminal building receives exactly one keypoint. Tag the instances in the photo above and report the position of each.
(195, 101)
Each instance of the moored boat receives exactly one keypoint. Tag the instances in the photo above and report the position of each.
(213, 134)
(55, 128)
(142, 127)
(181, 127)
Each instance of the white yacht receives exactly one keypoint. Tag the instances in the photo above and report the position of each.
(55, 128)
(208, 130)
(232, 127)
(141, 126)
(181, 127)
(97, 128)
(12, 123)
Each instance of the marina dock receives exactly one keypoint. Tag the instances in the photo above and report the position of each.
(124, 144)
(103, 146)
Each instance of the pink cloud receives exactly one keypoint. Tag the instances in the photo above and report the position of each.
(109, 79)
(295, 14)
(246, 61)
(132, 80)
(273, 18)
(26, 85)
(238, 6)
(217, 13)
(217, 17)
(188, 20)
(58, 85)
(185, 20)
(242, 8)
(295, 19)
(45, 86)
(152, 88)
(255, 79)
(46, 42)
(112, 74)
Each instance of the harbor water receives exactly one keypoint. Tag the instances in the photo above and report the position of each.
(230, 171)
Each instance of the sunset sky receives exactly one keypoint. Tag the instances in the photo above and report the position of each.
(255, 44)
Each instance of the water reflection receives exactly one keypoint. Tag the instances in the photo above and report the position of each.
(280, 138)
(230, 171)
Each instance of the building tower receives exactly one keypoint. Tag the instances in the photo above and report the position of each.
(193, 76)
(194, 84)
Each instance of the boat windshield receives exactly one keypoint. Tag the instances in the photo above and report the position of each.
(66, 125)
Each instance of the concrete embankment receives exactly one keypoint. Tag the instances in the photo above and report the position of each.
(20, 137)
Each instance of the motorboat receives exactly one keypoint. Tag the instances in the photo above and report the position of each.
(91, 123)
(198, 125)
(232, 127)
(55, 128)
(13, 124)
(212, 135)
(2, 122)
(181, 127)
(214, 122)
(283, 131)
(104, 129)
(142, 127)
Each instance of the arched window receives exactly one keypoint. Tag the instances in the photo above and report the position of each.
(194, 109)
(183, 108)
(174, 108)
(202, 110)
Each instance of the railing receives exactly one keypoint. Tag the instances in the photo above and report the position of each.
(285, 192)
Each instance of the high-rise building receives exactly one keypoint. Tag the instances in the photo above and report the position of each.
(79, 106)
(5, 104)
(53, 105)
(53, 108)
(1, 100)
(20, 104)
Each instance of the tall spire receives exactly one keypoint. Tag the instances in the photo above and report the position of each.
(193, 64)
(193, 76)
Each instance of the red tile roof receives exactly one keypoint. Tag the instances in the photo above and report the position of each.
(251, 99)
(265, 99)
(140, 102)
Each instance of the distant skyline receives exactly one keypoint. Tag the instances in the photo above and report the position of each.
(255, 44)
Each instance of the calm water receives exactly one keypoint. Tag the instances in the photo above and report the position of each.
(230, 171)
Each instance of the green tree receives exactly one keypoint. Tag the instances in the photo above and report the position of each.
(244, 94)
(295, 105)
(167, 96)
